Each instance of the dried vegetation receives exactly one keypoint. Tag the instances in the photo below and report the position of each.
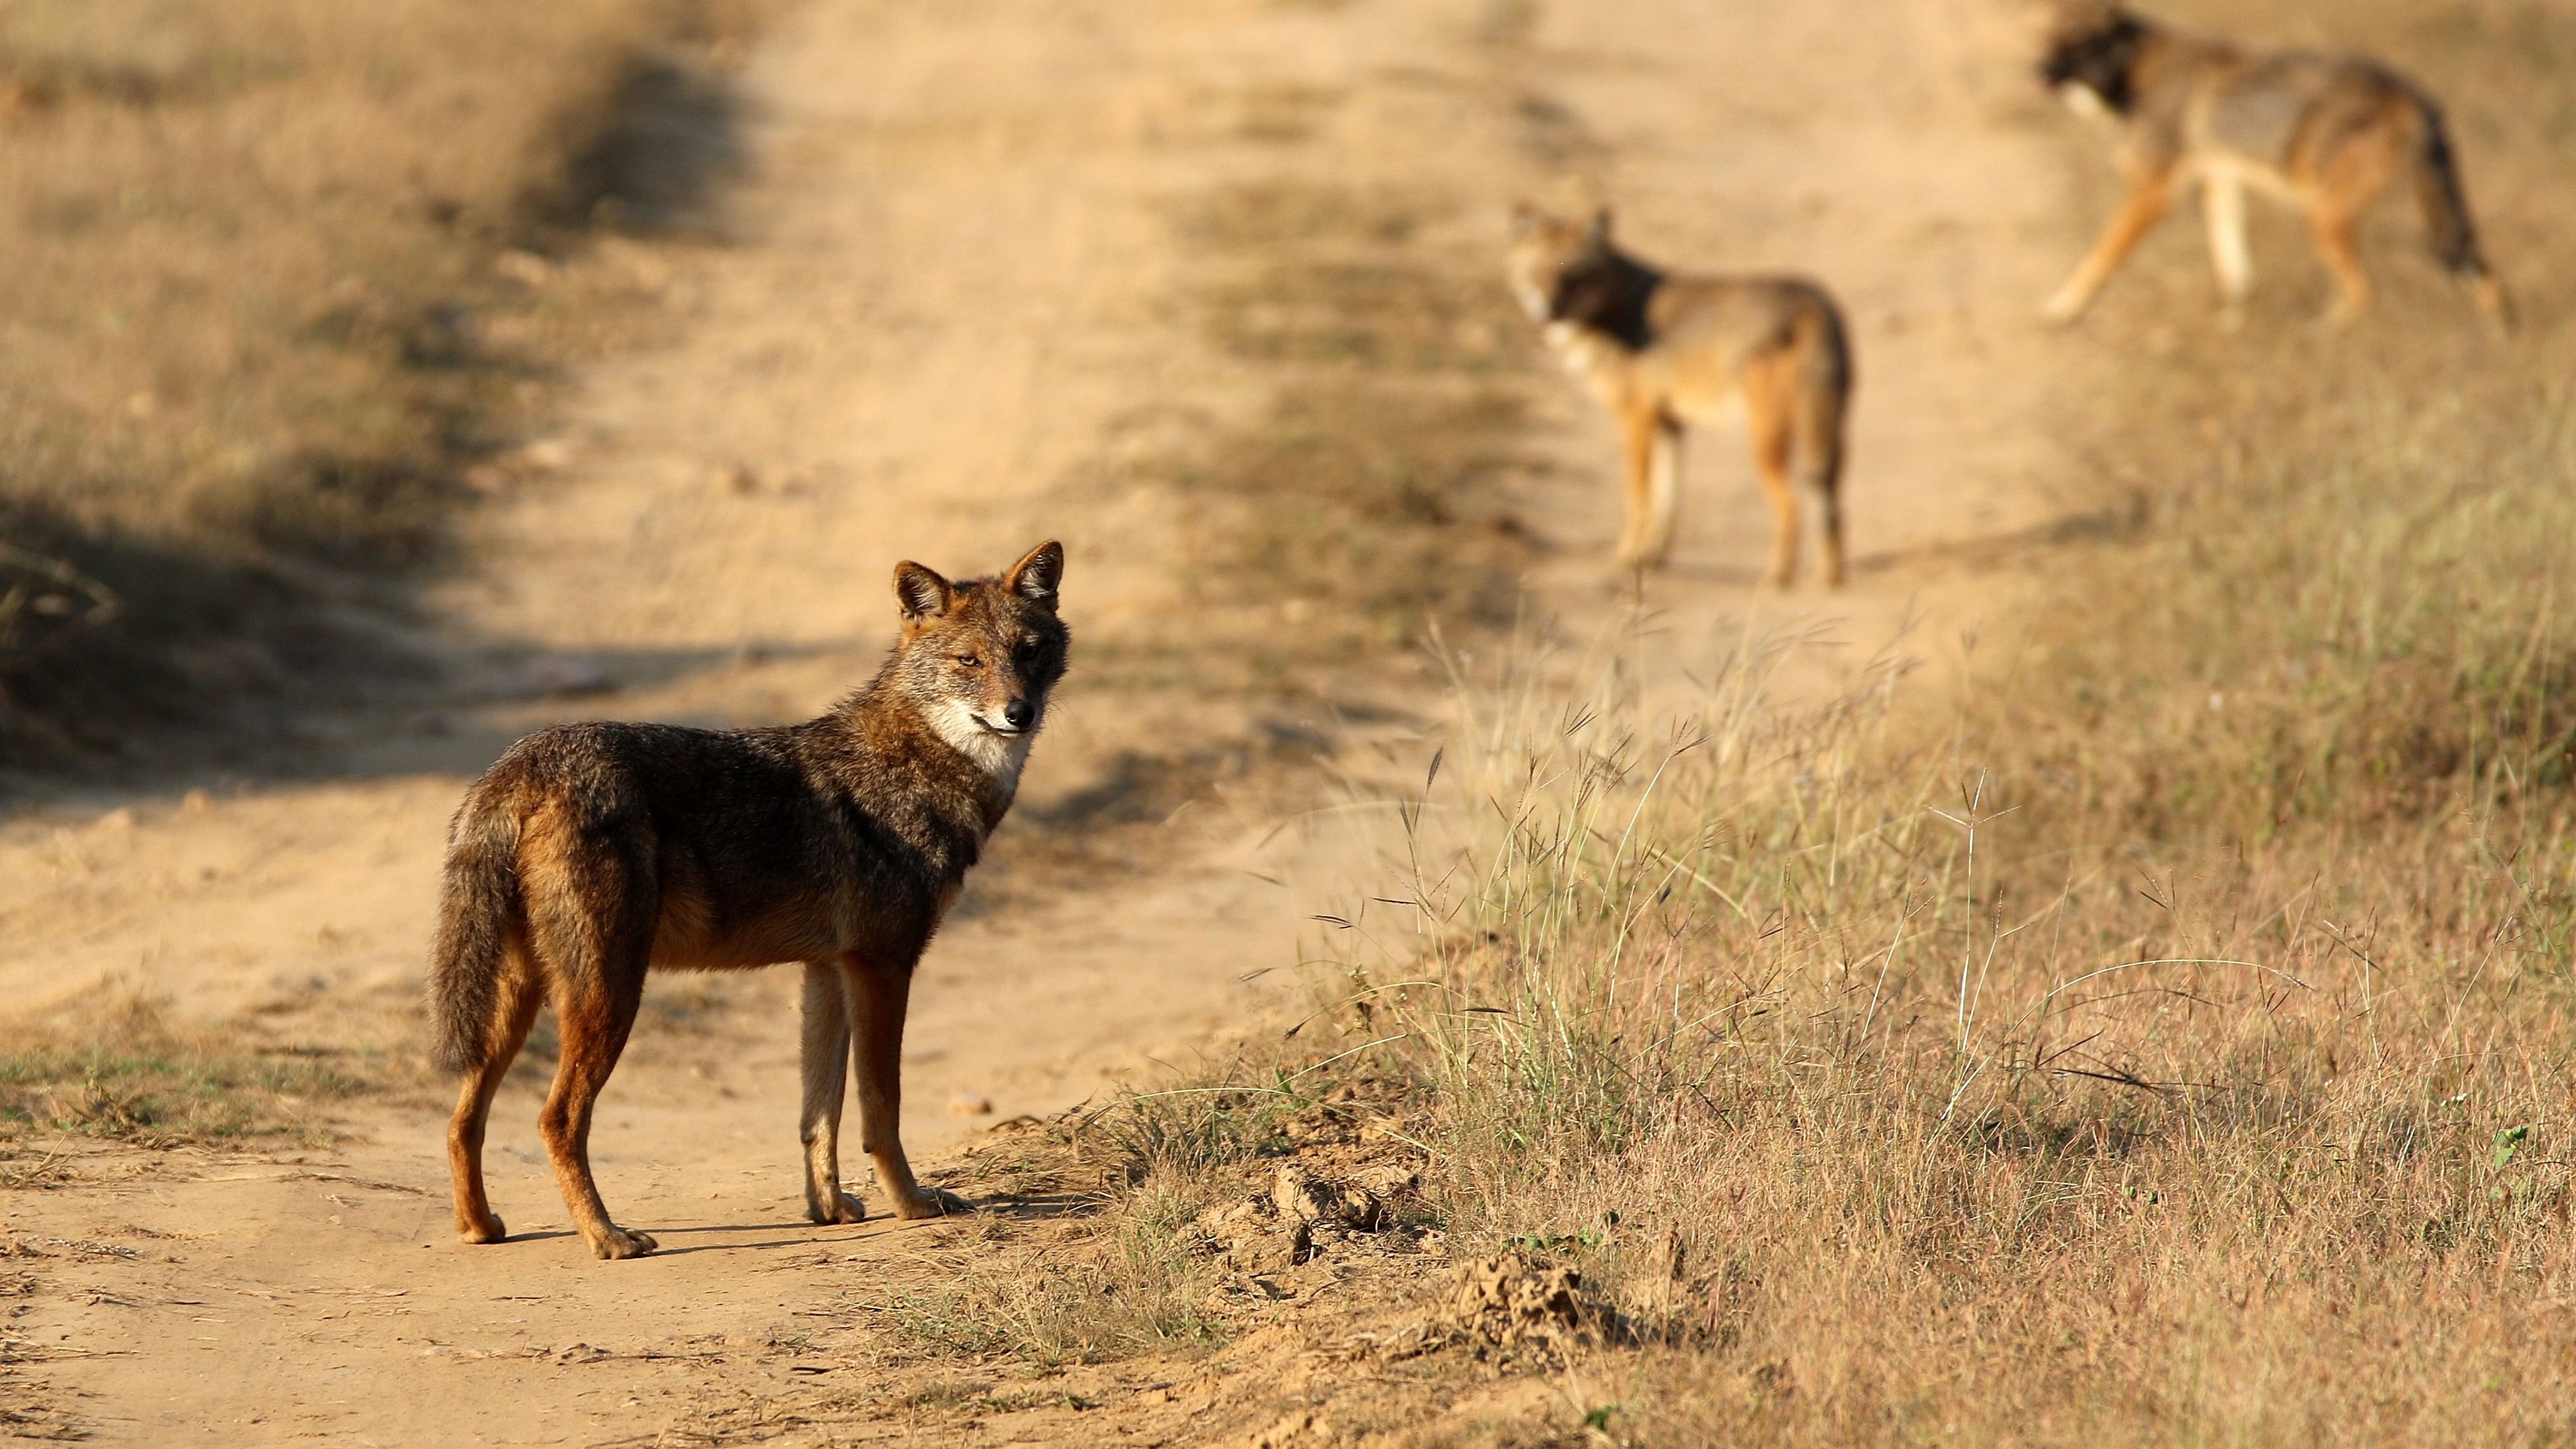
(2161, 1037)
(115, 1068)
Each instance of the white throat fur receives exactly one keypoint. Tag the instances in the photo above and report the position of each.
(998, 755)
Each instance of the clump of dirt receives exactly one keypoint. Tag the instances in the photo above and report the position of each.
(1490, 1420)
(1301, 1194)
(1304, 1212)
(1514, 1309)
(1304, 1429)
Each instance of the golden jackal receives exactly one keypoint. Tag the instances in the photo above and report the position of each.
(1664, 350)
(590, 852)
(2325, 132)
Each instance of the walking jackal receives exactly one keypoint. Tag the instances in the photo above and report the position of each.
(590, 852)
(1665, 350)
(2326, 133)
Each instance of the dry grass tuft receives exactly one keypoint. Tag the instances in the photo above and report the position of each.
(2338, 597)
(117, 1069)
(1127, 1292)
(1117, 1273)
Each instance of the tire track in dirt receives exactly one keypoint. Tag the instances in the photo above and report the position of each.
(958, 316)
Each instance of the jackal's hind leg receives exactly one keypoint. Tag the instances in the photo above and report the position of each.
(2494, 303)
(1767, 410)
(826, 1072)
(2340, 247)
(595, 1008)
(517, 1010)
(1824, 490)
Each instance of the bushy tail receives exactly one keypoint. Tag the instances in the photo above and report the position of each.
(477, 900)
(1824, 399)
(2446, 212)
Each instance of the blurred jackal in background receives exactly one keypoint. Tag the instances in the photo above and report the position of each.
(2326, 133)
(591, 852)
(1665, 350)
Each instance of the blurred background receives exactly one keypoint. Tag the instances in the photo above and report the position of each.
(381, 382)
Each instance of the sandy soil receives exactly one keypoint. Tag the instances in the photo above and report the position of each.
(952, 299)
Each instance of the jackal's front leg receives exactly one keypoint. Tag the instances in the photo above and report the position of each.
(2150, 192)
(2222, 205)
(1650, 460)
(878, 998)
(826, 1072)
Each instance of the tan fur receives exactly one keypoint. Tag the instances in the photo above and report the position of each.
(591, 853)
(2324, 133)
(1663, 352)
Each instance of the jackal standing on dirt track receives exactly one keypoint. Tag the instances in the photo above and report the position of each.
(2327, 133)
(591, 852)
(1665, 350)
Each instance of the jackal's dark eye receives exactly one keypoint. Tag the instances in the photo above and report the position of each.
(970, 661)
(1024, 651)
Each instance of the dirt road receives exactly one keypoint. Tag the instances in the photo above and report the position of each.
(954, 302)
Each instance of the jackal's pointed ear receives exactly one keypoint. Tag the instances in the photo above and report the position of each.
(1597, 235)
(1038, 574)
(922, 594)
(1525, 218)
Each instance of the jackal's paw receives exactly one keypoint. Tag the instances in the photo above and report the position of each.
(487, 1231)
(620, 1242)
(843, 1208)
(933, 1202)
(2062, 308)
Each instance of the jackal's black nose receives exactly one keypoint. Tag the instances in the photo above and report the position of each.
(1019, 712)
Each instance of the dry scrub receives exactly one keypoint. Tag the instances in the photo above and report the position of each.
(1088, 1249)
(2163, 1036)
(115, 1068)
(254, 321)
(1891, 1110)
(2165, 1041)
